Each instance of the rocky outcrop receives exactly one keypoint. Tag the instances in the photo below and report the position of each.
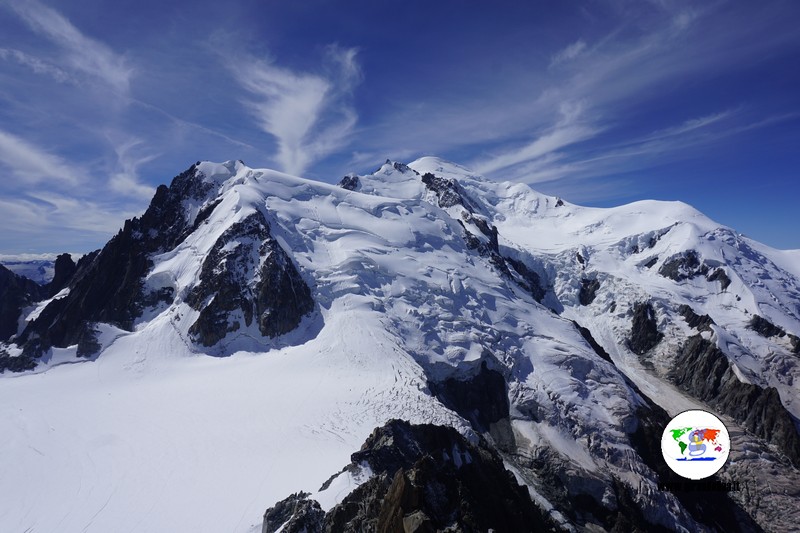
(644, 329)
(589, 338)
(247, 251)
(16, 292)
(698, 322)
(703, 370)
(720, 275)
(64, 270)
(530, 280)
(588, 291)
(685, 266)
(350, 182)
(688, 266)
(107, 286)
(481, 398)
(765, 328)
(294, 514)
(448, 192)
(795, 340)
(425, 478)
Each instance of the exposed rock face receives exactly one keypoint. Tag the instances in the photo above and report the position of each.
(688, 266)
(65, 268)
(107, 286)
(699, 322)
(278, 300)
(16, 292)
(588, 291)
(765, 328)
(482, 398)
(448, 191)
(426, 478)
(589, 338)
(795, 340)
(720, 275)
(530, 279)
(703, 370)
(294, 514)
(351, 183)
(644, 331)
(683, 267)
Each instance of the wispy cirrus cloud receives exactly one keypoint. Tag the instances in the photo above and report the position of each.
(571, 174)
(309, 115)
(570, 52)
(131, 154)
(569, 129)
(37, 65)
(47, 218)
(77, 51)
(33, 165)
(691, 125)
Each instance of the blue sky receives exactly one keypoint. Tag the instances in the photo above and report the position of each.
(601, 102)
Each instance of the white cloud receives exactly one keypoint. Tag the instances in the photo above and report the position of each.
(80, 52)
(570, 52)
(35, 64)
(310, 115)
(53, 213)
(34, 165)
(568, 130)
(692, 125)
(124, 180)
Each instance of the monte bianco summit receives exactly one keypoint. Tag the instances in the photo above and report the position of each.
(416, 349)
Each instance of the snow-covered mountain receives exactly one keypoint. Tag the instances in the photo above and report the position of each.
(560, 337)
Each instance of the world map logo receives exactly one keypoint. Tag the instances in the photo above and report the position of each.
(695, 444)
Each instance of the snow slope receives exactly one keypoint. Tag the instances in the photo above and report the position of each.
(155, 433)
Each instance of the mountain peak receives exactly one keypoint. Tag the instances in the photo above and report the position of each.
(565, 336)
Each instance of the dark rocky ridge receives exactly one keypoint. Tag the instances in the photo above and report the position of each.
(16, 292)
(530, 280)
(481, 398)
(699, 322)
(703, 370)
(688, 265)
(644, 330)
(64, 268)
(296, 514)
(278, 300)
(107, 286)
(350, 182)
(720, 275)
(426, 478)
(589, 338)
(685, 266)
(765, 328)
(588, 291)
(449, 193)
